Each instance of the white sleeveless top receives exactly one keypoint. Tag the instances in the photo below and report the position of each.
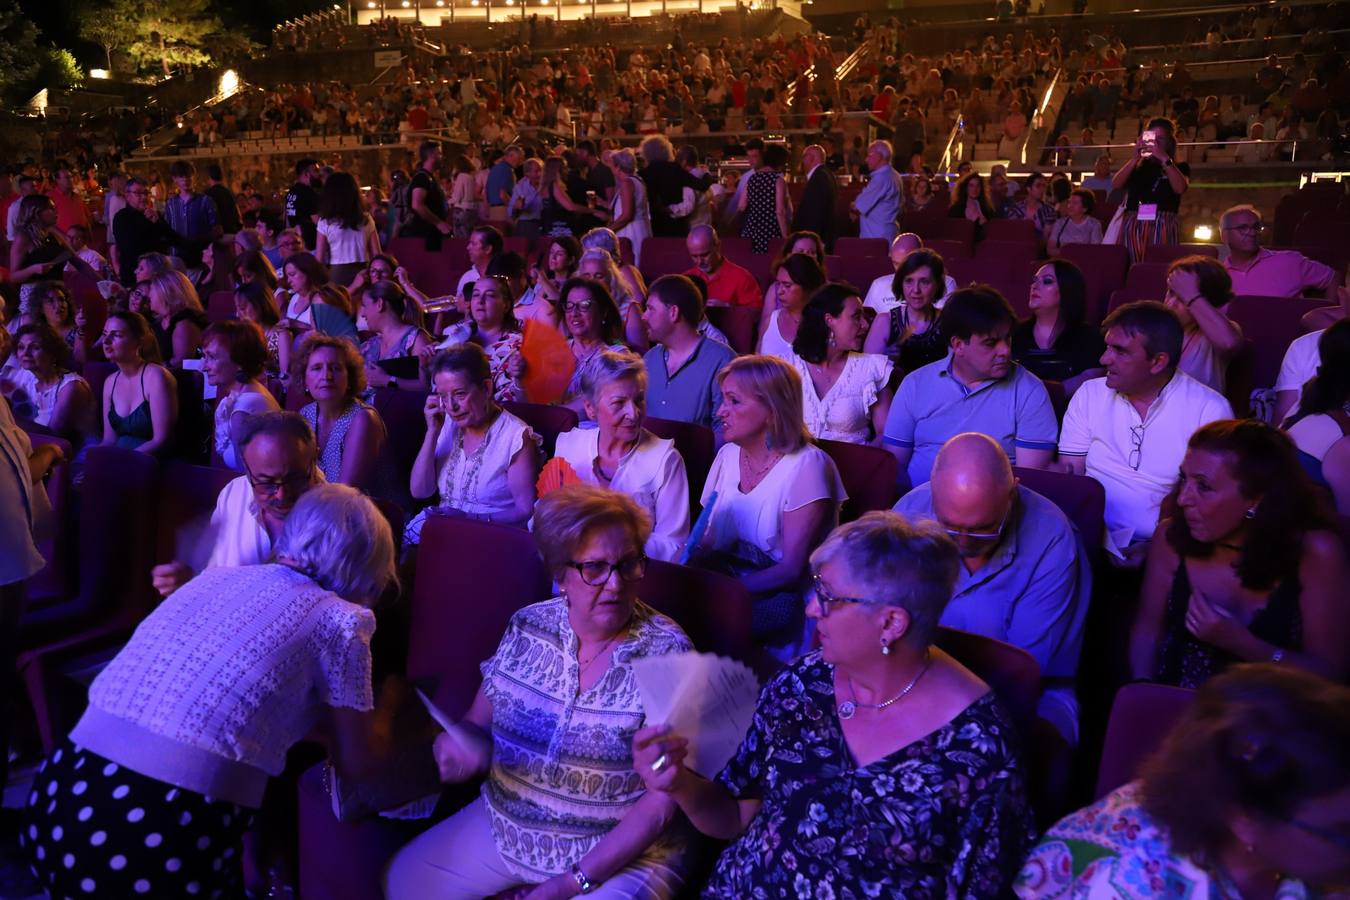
(640, 228)
(774, 344)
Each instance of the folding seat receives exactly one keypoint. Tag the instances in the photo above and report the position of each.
(1104, 267)
(1141, 717)
(738, 323)
(53, 581)
(115, 543)
(1011, 230)
(406, 426)
(697, 447)
(1080, 498)
(948, 250)
(220, 306)
(1166, 253)
(859, 271)
(713, 609)
(1149, 277)
(851, 247)
(1271, 324)
(547, 421)
(869, 476)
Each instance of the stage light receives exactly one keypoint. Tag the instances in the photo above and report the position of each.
(228, 85)
(98, 73)
(1204, 233)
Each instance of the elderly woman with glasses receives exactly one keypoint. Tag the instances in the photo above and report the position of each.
(552, 729)
(875, 766)
(159, 780)
(1249, 796)
(620, 454)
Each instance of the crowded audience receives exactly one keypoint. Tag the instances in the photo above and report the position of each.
(900, 442)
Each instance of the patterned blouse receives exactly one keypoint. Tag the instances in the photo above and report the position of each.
(562, 758)
(945, 816)
(1115, 849)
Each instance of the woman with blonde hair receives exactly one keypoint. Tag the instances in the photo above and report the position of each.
(179, 318)
(598, 266)
(773, 493)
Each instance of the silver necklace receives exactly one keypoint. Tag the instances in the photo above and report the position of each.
(849, 707)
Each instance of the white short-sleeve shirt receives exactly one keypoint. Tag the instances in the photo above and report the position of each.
(881, 298)
(1300, 362)
(346, 245)
(1100, 424)
(749, 525)
(653, 475)
(845, 412)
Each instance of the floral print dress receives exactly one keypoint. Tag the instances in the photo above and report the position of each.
(945, 816)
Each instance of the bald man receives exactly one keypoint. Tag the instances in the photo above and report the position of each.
(816, 210)
(881, 295)
(1025, 578)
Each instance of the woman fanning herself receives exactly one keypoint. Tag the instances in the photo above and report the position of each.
(481, 461)
(778, 494)
(620, 454)
(350, 432)
(798, 277)
(140, 400)
(845, 395)
(876, 766)
(562, 810)
(1248, 568)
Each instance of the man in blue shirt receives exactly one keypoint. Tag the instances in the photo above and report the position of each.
(878, 203)
(527, 204)
(682, 365)
(977, 387)
(191, 215)
(1025, 578)
(501, 181)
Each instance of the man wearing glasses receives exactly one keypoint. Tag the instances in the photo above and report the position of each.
(280, 464)
(1023, 579)
(138, 229)
(1260, 272)
(1129, 430)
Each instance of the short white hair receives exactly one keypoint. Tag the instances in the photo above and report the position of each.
(883, 149)
(338, 537)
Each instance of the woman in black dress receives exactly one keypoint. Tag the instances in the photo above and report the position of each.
(1054, 343)
(1246, 565)
(764, 202)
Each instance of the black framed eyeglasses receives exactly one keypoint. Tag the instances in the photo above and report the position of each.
(596, 572)
(1136, 446)
(269, 487)
(828, 600)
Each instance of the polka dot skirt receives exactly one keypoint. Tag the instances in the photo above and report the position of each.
(96, 830)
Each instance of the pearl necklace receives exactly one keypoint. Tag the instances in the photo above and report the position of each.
(850, 707)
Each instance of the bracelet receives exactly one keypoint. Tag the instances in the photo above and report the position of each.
(583, 883)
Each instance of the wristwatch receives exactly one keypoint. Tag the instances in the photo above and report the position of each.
(1169, 164)
(1275, 658)
(583, 883)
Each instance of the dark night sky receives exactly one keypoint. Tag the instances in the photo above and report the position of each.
(57, 19)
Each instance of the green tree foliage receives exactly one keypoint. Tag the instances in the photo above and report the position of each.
(19, 51)
(109, 24)
(169, 33)
(58, 69)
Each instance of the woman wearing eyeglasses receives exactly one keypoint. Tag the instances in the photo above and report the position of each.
(593, 324)
(562, 808)
(1247, 798)
(875, 766)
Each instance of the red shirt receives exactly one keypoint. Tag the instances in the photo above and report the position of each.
(69, 209)
(731, 285)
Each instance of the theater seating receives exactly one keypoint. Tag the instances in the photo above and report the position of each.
(697, 446)
(738, 323)
(547, 421)
(1141, 717)
(869, 475)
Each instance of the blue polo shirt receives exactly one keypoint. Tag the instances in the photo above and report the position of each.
(501, 178)
(1032, 592)
(932, 406)
(691, 393)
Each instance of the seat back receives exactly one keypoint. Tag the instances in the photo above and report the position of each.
(187, 497)
(1020, 230)
(97, 373)
(1079, 497)
(697, 446)
(405, 427)
(220, 306)
(869, 476)
(1104, 268)
(1141, 716)
(859, 271)
(195, 426)
(1010, 671)
(1166, 253)
(435, 272)
(53, 580)
(1271, 324)
(1150, 277)
(713, 609)
(860, 247)
(948, 250)
(547, 421)
(738, 323)
(471, 578)
(960, 230)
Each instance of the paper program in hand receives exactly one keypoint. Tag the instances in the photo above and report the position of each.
(705, 698)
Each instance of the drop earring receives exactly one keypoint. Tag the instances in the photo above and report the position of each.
(885, 647)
